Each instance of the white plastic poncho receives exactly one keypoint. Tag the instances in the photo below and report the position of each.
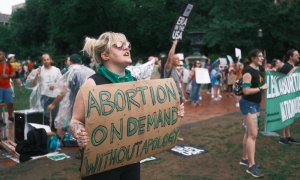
(69, 84)
(35, 96)
(142, 72)
(47, 78)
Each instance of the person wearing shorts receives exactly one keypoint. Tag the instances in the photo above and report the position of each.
(253, 85)
(6, 93)
(215, 76)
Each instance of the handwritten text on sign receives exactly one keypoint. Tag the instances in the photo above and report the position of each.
(181, 23)
(128, 122)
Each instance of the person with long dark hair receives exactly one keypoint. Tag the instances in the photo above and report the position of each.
(253, 85)
(195, 86)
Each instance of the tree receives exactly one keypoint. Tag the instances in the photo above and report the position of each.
(60, 26)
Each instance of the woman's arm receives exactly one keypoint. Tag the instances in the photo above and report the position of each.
(78, 118)
(193, 72)
(248, 90)
(171, 55)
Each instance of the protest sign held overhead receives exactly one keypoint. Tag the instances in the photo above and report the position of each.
(238, 53)
(181, 23)
(282, 99)
(128, 122)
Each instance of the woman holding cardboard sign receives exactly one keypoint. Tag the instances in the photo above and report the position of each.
(112, 50)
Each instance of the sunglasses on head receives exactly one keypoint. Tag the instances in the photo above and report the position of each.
(122, 45)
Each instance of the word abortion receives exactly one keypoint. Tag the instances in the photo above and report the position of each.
(288, 84)
(121, 100)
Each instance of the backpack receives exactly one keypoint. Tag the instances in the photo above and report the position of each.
(237, 88)
(35, 145)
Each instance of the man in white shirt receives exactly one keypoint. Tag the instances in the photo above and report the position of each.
(46, 77)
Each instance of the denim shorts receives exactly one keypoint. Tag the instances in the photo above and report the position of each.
(247, 107)
(6, 95)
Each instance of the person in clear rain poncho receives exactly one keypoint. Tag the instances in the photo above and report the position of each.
(67, 88)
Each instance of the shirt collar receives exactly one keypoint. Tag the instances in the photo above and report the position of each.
(115, 78)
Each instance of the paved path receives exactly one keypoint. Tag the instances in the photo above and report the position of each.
(207, 109)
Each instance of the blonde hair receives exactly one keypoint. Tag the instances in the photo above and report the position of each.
(94, 47)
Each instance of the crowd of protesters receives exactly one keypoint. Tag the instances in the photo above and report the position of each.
(54, 90)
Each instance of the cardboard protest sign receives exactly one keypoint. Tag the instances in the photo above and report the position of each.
(282, 99)
(127, 122)
(202, 76)
(181, 23)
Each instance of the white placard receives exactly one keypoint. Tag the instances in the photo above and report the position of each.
(230, 59)
(202, 76)
(187, 150)
(180, 56)
(238, 53)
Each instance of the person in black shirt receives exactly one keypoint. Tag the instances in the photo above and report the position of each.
(277, 64)
(253, 85)
(292, 57)
(112, 51)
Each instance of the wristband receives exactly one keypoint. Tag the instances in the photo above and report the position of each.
(260, 89)
(245, 85)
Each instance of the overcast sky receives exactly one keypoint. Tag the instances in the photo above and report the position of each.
(5, 5)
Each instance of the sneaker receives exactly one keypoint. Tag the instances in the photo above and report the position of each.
(292, 141)
(254, 171)
(217, 99)
(219, 96)
(284, 141)
(244, 162)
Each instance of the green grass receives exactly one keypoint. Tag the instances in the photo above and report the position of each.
(21, 100)
(223, 140)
